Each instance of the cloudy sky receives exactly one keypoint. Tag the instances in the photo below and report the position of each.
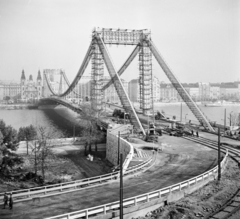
(199, 39)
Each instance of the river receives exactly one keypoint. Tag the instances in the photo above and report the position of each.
(60, 120)
(214, 114)
(63, 120)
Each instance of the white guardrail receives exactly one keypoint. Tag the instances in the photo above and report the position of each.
(103, 209)
(26, 194)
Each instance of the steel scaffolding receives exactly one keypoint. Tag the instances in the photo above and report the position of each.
(99, 55)
(97, 77)
(145, 78)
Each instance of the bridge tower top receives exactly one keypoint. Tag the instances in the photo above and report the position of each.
(122, 36)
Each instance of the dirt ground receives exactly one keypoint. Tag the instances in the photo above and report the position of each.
(205, 200)
(61, 168)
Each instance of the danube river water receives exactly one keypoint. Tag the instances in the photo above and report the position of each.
(64, 120)
(212, 113)
(61, 120)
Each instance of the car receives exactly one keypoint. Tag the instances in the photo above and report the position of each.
(178, 133)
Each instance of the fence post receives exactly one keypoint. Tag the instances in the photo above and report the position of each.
(135, 201)
(104, 209)
(219, 155)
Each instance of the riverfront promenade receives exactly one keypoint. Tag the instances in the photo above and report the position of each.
(180, 160)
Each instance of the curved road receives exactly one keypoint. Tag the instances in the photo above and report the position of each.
(180, 160)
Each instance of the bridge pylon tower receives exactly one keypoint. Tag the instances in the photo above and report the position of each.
(97, 77)
(144, 47)
(145, 78)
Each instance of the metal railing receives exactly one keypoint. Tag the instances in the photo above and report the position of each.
(26, 194)
(104, 209)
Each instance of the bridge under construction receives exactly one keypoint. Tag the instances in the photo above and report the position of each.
(99, 55)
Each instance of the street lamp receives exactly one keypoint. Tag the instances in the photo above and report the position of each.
(224, 121)
(186, 117)
(230, 122)
(181, 112)
(124, 117)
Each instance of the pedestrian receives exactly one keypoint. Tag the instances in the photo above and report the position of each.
(5, 200)
(197, 133)
(192, 133)
(10, 202)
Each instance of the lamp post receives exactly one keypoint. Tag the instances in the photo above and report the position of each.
(230, 119)
(148, 122)
(224, 121)
(121, 187)
(186, 117)
(118, 162)
(219, 155)
(125, 117)
(181, 112)
(73, 131)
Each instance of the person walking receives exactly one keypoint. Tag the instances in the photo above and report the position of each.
(5, 200)
(10, 202)
(197, 134)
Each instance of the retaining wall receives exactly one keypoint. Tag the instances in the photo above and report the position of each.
(112, 150)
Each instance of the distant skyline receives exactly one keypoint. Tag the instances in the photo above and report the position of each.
(200, 40)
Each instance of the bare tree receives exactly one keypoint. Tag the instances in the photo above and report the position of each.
(234, 119)
(42, 151)
(27, 133)
(91, 131)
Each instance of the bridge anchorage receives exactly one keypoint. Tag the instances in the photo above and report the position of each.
(99, 55)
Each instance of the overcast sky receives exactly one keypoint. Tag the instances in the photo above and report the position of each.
(199, 39)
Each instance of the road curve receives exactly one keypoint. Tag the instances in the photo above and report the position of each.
(179, 161)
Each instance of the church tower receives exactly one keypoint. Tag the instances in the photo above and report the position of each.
(23, 83)
(39, 85)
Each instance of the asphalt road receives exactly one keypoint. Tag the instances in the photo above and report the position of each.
(180, 160)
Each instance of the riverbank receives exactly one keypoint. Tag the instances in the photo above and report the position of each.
(18, 106)
(64, 163)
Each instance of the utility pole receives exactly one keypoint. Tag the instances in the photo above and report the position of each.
(181, 112)
(118, 161)
(219, 156)
(74, 132)
(35, 157)
(224, 121)
(121, 186)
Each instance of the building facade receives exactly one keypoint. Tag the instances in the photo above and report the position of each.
(110, 94)
(56, 82)
(168, 93)
(214, 92)
(204, 91)
(31, 90)
(230, 91)
(9, 90)
(133, 90)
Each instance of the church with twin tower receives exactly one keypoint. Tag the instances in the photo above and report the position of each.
(31, 90)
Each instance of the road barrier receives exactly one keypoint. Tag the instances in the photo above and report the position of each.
(133, 201)
(26, 194)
